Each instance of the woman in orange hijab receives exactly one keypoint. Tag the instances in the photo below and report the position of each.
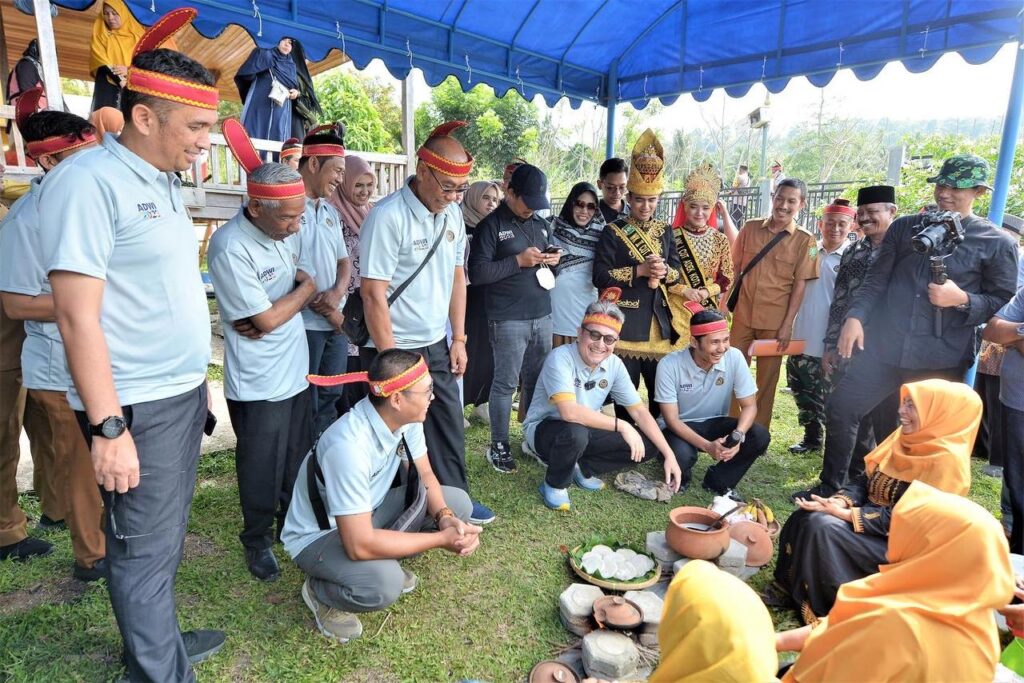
(829, 542)
(927, 615)
(115, 33)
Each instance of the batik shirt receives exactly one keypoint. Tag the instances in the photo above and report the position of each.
(853, 267)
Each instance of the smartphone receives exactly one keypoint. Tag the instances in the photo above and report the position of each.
(211, 423)
(552, 249)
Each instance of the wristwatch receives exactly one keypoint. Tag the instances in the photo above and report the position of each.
(738, 436)
(110, 428)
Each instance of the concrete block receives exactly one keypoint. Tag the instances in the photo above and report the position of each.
(735, 556)
(609, 655)
(651, 606)
(658, 548)
(679, 564)
(661, 588)
(576, 607)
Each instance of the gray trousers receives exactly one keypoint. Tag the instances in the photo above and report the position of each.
(146, 533)
(366, 585)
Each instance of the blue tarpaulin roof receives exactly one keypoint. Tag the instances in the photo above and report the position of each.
(620, 50)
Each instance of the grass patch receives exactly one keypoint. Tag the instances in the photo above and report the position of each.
(214, 372)
(490, 616)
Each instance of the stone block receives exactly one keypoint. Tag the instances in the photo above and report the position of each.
(609, 655)
(574, 659)
(576, 607)
(735, 556)
(658, 548)
(650, 605)
(679, 564)
(661, 588)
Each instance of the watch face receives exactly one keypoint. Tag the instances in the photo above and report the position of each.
(113, 427)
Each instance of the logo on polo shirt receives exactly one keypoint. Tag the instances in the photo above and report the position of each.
(148, 210)
(576, 382)
(421, 245)
(720, 381)
(450, 236)
(688, 387)
(506, 235)
(401, 450)
(268, 274)
(603, 384)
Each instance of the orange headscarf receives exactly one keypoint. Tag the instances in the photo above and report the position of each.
(107, 120)
(114, 48)
(939, 453)
(926, 616)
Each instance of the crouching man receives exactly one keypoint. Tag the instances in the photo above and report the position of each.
(364, 494)
(694, 388)
(565, 428)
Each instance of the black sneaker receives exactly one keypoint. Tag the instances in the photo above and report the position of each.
(25, 549)
(201, 645)
(94, 573)
(47, 524)
(501, 458)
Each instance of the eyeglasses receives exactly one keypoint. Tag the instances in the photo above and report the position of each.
(597, 336)
(588, 206)
(448, 190)
(613, 189)
(429, 391)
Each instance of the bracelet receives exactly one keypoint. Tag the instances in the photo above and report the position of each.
(462, 339)
(442, 513)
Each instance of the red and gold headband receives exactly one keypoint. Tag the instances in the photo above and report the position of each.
(382, 388)
(249, 159)
(707, 328)
(323, 149)
(454, 169)
(28, 104)
(842, 207)
(164, 86)
(291, 148)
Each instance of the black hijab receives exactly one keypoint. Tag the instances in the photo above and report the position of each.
(574, 194)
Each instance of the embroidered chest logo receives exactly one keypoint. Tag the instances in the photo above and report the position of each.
(148, 210)
(576, 382)
(420, 245)
(268, 274)
(720, 381)
(504, 235)
(401, 451)
(688, 387)
(603, 384)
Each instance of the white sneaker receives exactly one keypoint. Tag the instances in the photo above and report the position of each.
(483, 412)
(333, 623)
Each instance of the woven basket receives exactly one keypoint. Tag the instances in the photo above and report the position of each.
(613, 585)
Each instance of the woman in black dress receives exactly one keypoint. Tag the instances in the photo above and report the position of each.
(829, 542)
(481, 199)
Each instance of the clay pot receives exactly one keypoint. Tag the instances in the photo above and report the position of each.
(759, 544)
(550, 671)
(613, 611)
(696, 544)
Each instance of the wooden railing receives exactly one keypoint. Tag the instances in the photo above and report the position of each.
(216, 183)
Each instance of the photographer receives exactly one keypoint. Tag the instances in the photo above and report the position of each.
(898, 303)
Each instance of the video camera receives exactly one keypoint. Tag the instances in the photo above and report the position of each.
(941, 232)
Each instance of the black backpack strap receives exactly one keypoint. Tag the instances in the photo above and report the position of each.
(315, 478)
(412, 480)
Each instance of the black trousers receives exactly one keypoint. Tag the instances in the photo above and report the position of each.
(637, 368)
(443, 428)
(721, 476)
(273, 438)
(865, 384)
(1013, 472)
(145, 529)
(990, 442)
(563, 445)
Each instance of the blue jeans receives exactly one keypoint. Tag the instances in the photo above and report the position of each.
(519, 348)
(328, 355)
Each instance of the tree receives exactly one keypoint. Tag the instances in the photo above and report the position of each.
(501, 128)
(344, 97)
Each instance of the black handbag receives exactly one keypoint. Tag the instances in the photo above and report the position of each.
(354, 325)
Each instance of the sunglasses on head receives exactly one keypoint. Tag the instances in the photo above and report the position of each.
(589, 206)
(597, 336)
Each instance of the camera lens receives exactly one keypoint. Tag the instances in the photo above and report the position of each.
(921, 244)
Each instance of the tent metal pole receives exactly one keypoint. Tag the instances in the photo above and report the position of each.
(610, 102)
(48, 54)
(1008, 145)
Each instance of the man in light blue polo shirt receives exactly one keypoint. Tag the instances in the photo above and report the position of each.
(1007, 328)
(323, 168)
(694, 388)
(807, 377)
(27, 296)
(396, 238)
(261, 283)
(565, 428)
(350, 524)
(123, 261)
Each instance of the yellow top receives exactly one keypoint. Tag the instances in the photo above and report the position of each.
(114, 48)
(926, 616)
(939, 453)
(714, 628)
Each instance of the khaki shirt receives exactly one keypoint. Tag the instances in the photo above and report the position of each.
(764, 297)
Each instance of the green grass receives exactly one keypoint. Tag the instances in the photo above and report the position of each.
(489, 616)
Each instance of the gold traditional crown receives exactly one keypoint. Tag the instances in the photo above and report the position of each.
(703, 184)
(646, 172)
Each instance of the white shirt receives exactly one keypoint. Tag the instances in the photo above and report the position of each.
(812, 320)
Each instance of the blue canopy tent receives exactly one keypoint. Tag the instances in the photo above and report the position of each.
(613, 51)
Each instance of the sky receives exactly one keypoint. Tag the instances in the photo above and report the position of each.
(950, 89)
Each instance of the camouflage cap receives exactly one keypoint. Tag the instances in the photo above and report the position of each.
(963, 172)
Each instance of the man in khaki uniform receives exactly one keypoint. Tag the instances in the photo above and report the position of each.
(771, 292)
